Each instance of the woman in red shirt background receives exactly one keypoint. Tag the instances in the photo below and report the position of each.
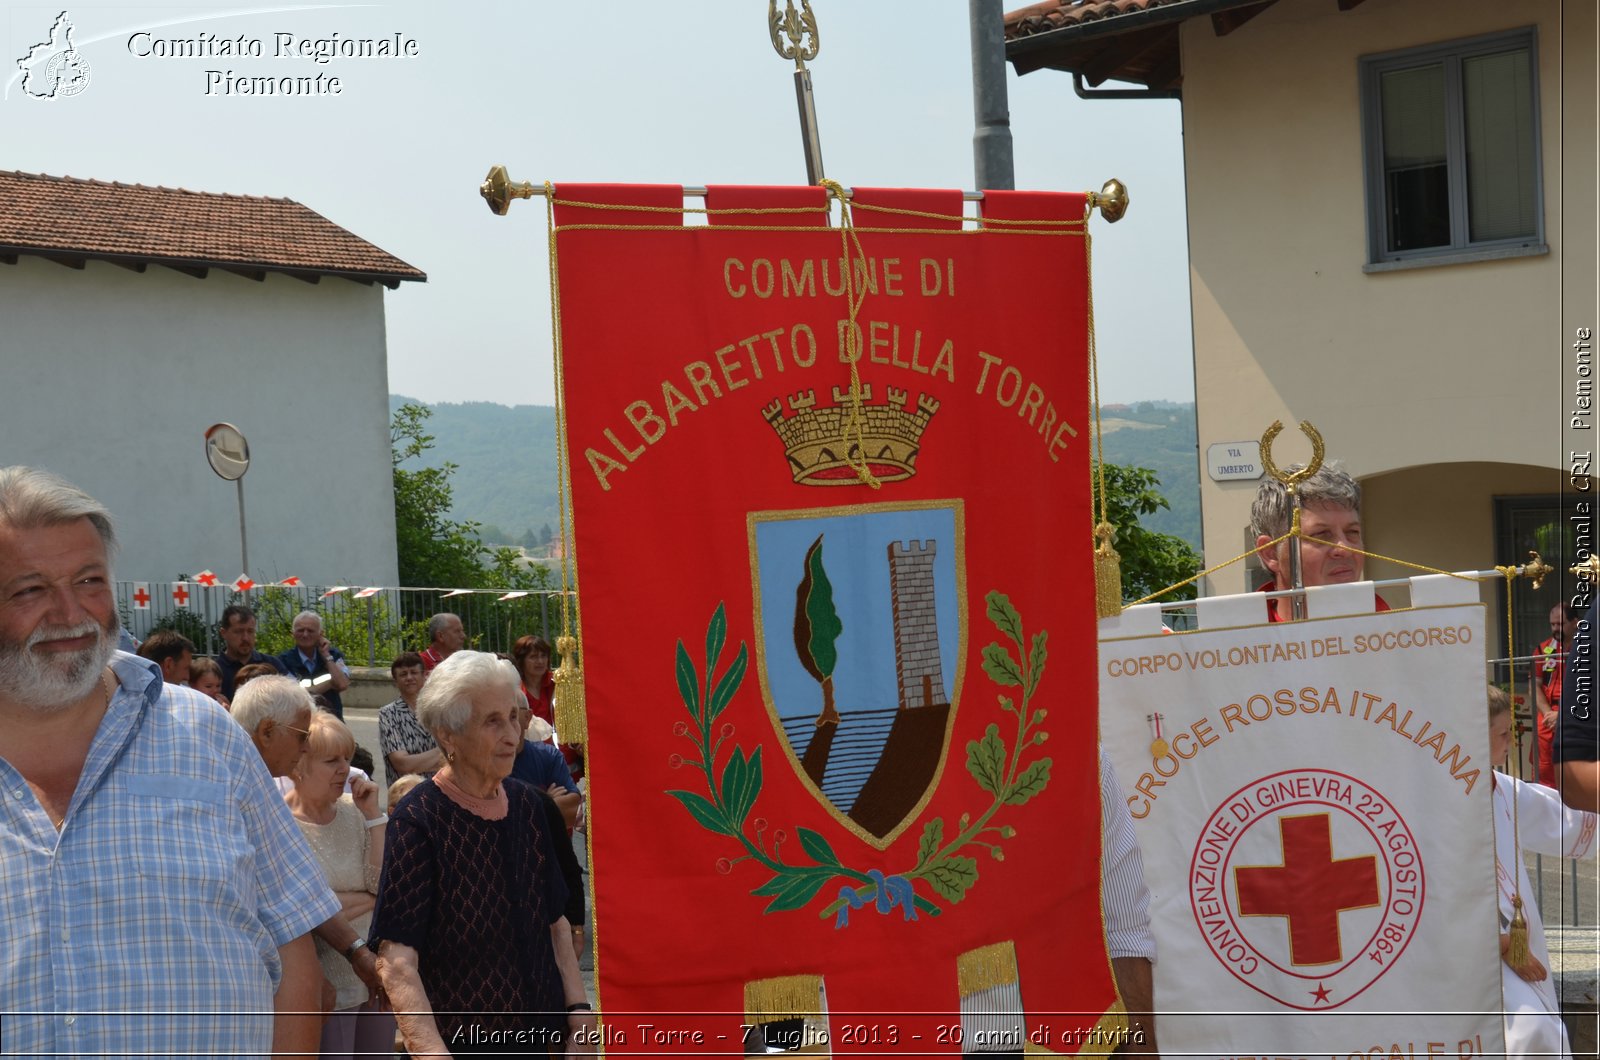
(531, 656)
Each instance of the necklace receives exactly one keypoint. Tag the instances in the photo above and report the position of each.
(108, 684)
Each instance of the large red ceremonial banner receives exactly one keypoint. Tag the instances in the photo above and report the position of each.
(842, 733)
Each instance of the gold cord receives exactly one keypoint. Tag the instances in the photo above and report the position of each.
(854, 437)
(1107, 562)
(1317, 540)
(1209, 570)
(570, 719)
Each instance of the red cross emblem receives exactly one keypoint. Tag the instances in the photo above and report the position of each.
(180, 594)
(1346, 921)
(141, 596)
(206, 578)
(292, 580)
(1310, 889)
(243, 583)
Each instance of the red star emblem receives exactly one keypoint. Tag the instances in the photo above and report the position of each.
(1320, 993)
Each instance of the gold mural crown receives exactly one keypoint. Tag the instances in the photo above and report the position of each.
(814, 437)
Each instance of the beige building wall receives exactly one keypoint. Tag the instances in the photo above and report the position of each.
(1444, 514)
(1457, 365)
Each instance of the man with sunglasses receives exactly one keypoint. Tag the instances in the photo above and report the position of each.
(158, 897)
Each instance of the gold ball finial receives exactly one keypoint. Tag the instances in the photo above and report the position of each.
(498, 189)
(1112, 200)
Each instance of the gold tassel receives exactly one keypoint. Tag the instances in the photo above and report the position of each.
(1517, 954)
(986, 968)
(1107, 574)
(571, 724)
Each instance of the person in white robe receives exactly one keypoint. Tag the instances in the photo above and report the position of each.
(1533, 818)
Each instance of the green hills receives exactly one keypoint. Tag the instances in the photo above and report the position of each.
(505, 463)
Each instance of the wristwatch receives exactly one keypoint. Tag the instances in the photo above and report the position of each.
(350, 950)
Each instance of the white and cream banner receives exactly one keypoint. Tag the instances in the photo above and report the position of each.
(1312, 800)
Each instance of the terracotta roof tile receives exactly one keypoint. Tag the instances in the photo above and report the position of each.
(73, 218)
(1057, 14)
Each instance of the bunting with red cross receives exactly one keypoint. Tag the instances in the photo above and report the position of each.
(1312, 801)
(832, 531)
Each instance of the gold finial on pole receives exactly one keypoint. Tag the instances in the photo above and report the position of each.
(498, 190)
(1588, 570)
(1111, 199)
(796, 25)
(1536, 570)
(1290, 480)
(801, 29)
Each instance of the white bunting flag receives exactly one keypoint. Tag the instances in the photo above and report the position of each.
(141, 596)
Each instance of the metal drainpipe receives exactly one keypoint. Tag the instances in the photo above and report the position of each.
(1122, 93)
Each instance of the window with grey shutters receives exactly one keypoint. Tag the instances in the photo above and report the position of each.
(1451, 141)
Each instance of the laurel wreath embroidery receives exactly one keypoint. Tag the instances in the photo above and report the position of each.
(944, 868)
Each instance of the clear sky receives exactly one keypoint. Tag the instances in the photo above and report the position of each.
(688, 91)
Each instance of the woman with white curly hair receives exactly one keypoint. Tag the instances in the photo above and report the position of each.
(474, 948)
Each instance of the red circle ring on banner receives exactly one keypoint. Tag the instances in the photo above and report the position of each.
(1303, 796)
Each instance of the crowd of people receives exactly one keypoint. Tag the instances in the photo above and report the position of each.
(195, 867)
(222, 804)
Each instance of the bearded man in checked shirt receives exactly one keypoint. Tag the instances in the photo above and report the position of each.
(158, 897)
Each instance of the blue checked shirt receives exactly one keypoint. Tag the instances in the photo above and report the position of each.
(150, 924)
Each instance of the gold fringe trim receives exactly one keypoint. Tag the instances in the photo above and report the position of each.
(781, 998)
(571, 722)
(986, 968)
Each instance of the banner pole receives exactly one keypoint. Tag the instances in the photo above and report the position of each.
(499, 191)
(1535, 570)
(798, 26)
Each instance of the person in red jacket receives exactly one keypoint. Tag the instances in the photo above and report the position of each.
(1330, 509)
(1547, 672)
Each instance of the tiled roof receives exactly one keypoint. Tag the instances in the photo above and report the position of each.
(1054, 14)
(70, 220)
(1123, 40)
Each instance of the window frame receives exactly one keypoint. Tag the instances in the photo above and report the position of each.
(1461, 247)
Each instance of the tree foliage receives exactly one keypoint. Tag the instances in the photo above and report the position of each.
(435, 549)
(1150, 560)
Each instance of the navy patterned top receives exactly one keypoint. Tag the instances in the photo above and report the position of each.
(475, 899)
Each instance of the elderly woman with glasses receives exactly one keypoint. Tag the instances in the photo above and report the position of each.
(474, 948)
